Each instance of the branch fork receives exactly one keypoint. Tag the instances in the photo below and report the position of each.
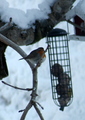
(34, 69)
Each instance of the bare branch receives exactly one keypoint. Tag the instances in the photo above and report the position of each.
(21, 110)
(12, 44)
(26, 89)
(26, 110)
(15, 47)
(38, 104)
(6, 26)
(35, 81)
(33, 97)
(38, 111)
(47, 48)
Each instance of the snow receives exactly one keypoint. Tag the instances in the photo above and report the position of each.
(12, 100)
(24, 11)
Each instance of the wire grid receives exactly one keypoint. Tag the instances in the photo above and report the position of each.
(59, 54)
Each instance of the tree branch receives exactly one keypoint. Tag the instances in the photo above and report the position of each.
(26, 89)
(26, 110)
(15, 47)
(7, 26)
(41, 27)
(38, 104)
(38, 111)
(35, 80)
(33, 97)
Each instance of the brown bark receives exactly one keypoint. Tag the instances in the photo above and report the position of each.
(30, 36)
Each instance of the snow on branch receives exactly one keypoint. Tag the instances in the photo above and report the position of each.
(38, 28)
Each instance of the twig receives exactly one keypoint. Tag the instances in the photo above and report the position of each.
(6, 26)
(33, 97)
(35, 80)
(27, 89)
(38, 111)
(47, 48)
(15, 47)
(38, 104)
(21, 110)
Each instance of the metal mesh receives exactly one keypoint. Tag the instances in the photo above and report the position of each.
(60, 70)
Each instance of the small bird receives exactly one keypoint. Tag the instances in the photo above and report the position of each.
(37, 56)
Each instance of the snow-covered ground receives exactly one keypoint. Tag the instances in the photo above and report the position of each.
(12, 100)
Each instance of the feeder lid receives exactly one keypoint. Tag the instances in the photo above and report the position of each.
(56, 32)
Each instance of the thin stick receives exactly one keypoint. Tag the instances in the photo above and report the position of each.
(6, 26)
(38, 111)
(26, 110)
(38, 103)
(15, 47)
(47, 48)
(27, 89)
(33, 95)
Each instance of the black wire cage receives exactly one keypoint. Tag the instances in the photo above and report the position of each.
(60, 69)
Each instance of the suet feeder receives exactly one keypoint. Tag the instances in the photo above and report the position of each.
(60, 70)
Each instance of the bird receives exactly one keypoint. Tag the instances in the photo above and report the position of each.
(37, 56)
